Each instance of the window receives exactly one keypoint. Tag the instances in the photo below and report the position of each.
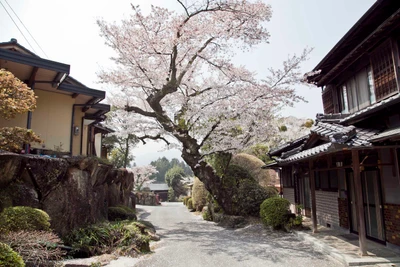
(326, 180)
(358, 92)
(384, 69)
(287, 177)
(344, 105)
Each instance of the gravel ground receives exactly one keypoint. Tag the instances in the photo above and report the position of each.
(188, 240)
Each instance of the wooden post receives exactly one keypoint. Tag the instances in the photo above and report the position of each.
(359, 203)
(313, 198)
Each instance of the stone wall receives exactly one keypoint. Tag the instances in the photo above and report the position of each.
(392, 223)
(73, 191)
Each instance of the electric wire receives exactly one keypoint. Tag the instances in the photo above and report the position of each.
(26, 29)
(18, 27)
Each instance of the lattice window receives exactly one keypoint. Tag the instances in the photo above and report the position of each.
(327, 100)
(383, 68)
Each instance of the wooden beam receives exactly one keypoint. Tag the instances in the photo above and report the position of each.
(32, 76)
(313, 198)
(362, 235)
(74, 95)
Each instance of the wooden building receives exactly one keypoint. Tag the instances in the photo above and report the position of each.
(346, 171)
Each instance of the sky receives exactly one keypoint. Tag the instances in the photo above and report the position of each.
(67, 32)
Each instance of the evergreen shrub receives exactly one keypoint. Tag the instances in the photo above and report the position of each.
(24, 218)
(9, 258)
(274, 212)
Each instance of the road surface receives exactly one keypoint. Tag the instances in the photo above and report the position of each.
(189, 241)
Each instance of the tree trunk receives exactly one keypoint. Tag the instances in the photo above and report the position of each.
(126, 152)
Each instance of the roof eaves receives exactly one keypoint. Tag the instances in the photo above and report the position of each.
(34, 61)
(82, 90)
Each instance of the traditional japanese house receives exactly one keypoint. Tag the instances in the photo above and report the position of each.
(68, 112)
(345, 173)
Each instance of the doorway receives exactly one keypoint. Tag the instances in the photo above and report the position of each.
(372, 201)
(304, 194)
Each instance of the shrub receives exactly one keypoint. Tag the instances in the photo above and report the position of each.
(10, 258)
(122, 237)
(243, 194)
(24, 218)
(121, 213)
(199, 194)
(37, 248)
(253, 165)
(274, 212)
(190, 204)
(207, 214)
(185, 200)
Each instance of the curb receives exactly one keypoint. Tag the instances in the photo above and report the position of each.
(346, 260)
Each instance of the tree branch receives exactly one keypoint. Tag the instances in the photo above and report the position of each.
(157, 137)
(140, 111)
(209, 133)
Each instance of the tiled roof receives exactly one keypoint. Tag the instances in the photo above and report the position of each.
(373, 108)
(306, 153)
(157, 187)
(335, 132)
(385, 135)
(287, 145)
(339, 136)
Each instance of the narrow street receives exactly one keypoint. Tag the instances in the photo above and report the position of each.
(188, 240)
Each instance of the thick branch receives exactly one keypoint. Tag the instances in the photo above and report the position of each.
(210, 132)
(157, 137)
(140, 111)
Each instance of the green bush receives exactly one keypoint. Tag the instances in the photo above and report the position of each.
(190, 204)
(243, 194)
(199, 194)
(185, 200)
(9, 258)
(122, 237)
(207, 214)
(274, 212)
(121, 213)
(24, 218)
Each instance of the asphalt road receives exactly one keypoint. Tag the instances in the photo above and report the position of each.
(189, 241)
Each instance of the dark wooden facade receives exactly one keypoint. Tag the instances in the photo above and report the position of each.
(346, 172)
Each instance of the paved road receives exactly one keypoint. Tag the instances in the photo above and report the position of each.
(189, 241)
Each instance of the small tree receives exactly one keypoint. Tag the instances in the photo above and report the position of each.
(174, 178)
(15, 98)
(142, 175)
(121, 141)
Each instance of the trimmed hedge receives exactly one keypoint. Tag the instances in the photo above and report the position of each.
(10, 258)
(274, 212)
(190, 204)
(24, 218)
(199, 194)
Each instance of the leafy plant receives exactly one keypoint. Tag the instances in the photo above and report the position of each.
(9, 258)
(24, 218)
(274, 212)
(122, 237)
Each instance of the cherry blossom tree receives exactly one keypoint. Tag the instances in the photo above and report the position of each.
(177, 82)
(142, 175)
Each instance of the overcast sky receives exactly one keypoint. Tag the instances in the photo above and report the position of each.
(67, 32)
